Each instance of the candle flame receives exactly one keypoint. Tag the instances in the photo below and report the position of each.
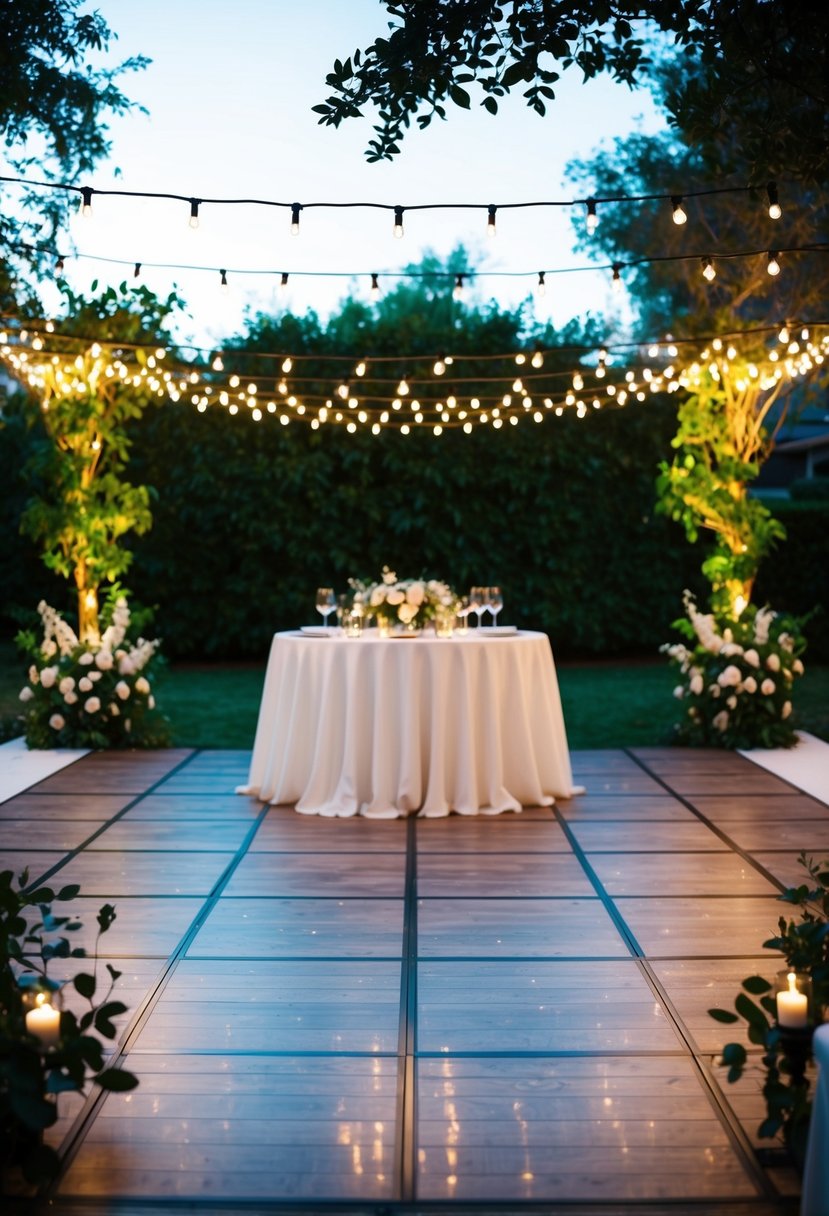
(792, 978)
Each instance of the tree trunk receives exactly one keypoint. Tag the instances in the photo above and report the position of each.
(88, 630)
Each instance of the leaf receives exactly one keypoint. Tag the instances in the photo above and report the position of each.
(116, 1080)
(755, 984)
(115, 975)
(68, 892)
(723, 1015)
(85, 984)
(459, 96)
(104, 1015)
(751, 1012)
(489, 103)
(734, 1053)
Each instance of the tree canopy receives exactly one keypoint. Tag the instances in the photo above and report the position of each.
(772, 53)
(54, 110)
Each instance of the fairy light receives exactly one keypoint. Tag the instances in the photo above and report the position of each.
(194, 212)
(775, 210)
(537, 359)
(773, 266)
(397, 231)
(343, 390)
(616, 281)
(283, 281)
(136, 272)
(86, 201)
(541, 286)
(592, 221)
(375, 288)
(490, 220)
(403, 387)
(457, 291)
(223, 284)
(709, 270)
(295, 210)
(59, 265)
(680, 215)
(287, 364)
(360, 369)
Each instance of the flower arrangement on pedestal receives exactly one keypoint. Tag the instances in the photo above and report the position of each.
(408, 602)
(737, 677)
(95, 693)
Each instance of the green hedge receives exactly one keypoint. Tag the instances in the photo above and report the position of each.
(796, 577)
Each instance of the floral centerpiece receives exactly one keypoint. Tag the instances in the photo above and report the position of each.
(408, 602)
(89, 694)
(737, 677)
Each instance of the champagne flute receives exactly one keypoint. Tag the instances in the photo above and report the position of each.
(475, 601)
(483, 602)
(495, 603)
(326, 602)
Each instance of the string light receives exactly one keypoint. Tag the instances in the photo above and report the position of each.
(375, 288)
(773, 266)
(295, 210)
(490, 223)
(775, 210)
(616, 281)
(679, 214)
(457, 290)
(283, 280)
(398, 223)
(194, 212)
(136, 272)
(86, 201)
(439, 366)
(541, 286)
(223, 282)
(709, 270)
(59, 265)
(592, 221)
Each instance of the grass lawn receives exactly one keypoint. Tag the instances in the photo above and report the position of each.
(606, 704)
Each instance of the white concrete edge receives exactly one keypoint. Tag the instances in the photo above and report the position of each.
(21, 768)
(806, 765)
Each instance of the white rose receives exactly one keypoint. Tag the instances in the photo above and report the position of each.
(70, 697)
(732, 702)
(749, 684)
(126, 667)
(92, 705)
(34, 675)
(720, 720)
(378, 596)
(395, 596)
(696, 684)
(142, 685)
(767, 687)
(731, 675)
(752, 658)
(26, 694)
(49, 648)
(86, 658)
(797, 667)
(57, 722)
(715, 690)
(389, 577)
(95, 675)
(786, 710)
(679, 692)
(730, 649)
(727, 635)
(773, 662)
(114, 710)
(122, 689)
(48, 676)
(104, 660)
(66, 685)
(151, 701)
(85, 684)
(416, 594)
(407, 613)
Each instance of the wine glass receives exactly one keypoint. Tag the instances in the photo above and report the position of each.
(495, 603)
(475, 601)
(326, 602)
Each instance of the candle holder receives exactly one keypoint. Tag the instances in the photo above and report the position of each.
(795, 1020)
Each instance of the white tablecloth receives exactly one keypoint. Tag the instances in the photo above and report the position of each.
(388, 726)
(815, 1195)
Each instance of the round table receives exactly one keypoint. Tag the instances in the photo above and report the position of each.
(386, 727)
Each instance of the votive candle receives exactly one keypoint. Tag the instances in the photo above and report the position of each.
(44, 1022)
(792, 1006)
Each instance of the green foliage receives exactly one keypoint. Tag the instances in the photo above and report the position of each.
(800, 579)
(804, 944)
(736, 677)
(32, 936)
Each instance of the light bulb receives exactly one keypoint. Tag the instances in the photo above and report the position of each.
(137, 270)
(592, 221)
(398, 223)
(490, 223)
(679, 214)
(360, 369)
(773, 265)
(223, 283)
(59, 265)
(541, 286)
(375, 288)
(342, 390)
(439, 366)
(287, 364)
(283, 280)
(194, 212)
(403, 387)
(295, 210)
(709, 271)
(218, 365)
(775, 210)
(86, 201)
(457, 291)
(616, 281)
(537, 359)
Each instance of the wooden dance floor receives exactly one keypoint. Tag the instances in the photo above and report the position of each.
(492, 1014)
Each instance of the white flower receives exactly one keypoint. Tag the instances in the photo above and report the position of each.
(34, 675)
(142, 685)
(26, 693)
(85, 684)
(787, 642)
(389, 577)
(407, 613)
(57, 722)
(151, 701)
(122, 689)
(762, 621)
(48, 648)
(797, 667)
(92, 705)
(786, 710)
(727, 635)
(767, 687)
(752, 658)
(114, 710)
(126, 667)
(104, 660)
(378, 595)
(679, 692)
(773, 662)
(395, 596)
(48, 676)
(94, 676)
(749, 684)
(729, 676)
(70, 697)
(66, 685)
(86, 659)
(732, 702)
(720, 720)
(715, 690)
(696, 683)
(416, 594)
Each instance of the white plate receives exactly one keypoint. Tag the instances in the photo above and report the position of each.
(316, 631)
(497, 631)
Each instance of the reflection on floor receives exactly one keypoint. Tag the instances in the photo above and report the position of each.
(508, 1011)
